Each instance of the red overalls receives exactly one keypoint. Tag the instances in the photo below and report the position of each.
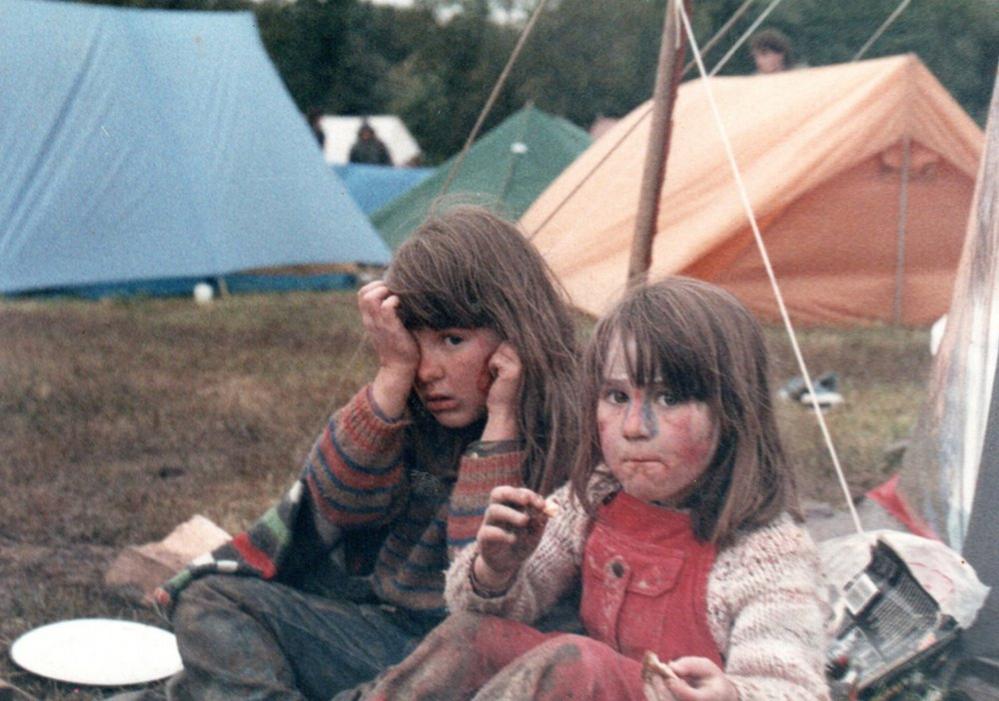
(644, 588)
(645, 581)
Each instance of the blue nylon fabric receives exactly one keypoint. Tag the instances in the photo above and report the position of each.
(373, 186)
(149, 144)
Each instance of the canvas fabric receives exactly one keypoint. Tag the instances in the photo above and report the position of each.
(148, 146)
(822, 152)
(505, 170)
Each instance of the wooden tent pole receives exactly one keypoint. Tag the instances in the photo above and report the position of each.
(903, 215)
(671, 52)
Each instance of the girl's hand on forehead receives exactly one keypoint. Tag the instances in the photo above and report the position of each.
(398, 352)
(503, 399)
(394, 344)
(511, 529)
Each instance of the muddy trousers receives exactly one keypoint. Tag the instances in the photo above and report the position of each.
(471, 656)
(243, 638)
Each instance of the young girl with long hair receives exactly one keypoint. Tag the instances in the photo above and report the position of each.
(475, 388)
(679, 521)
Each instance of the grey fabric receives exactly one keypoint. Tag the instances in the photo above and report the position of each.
(244, 638)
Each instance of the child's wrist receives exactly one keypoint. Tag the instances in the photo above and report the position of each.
(484, 584)
(390, 390)
(500, 427)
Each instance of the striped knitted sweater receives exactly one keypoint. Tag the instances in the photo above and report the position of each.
(360, 477)
(765, 601)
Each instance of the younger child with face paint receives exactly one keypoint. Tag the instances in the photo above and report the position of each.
(679, 520)
(476, 386)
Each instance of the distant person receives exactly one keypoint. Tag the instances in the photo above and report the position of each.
(771, 50)
(314, 116)
(369, 148)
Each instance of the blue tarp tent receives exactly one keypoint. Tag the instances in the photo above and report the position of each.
(373, 186)
(143, 145)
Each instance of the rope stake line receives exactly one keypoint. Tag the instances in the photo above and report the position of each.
(603, 159)
(596, 167)
(751, 216)
(745, 35)
(487, 108)
(881, 30)
(729, 23)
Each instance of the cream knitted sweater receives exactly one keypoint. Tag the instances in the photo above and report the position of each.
(765, 599)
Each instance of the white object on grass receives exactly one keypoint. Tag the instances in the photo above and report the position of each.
(825, 399)
(203, 293)
(98, 652)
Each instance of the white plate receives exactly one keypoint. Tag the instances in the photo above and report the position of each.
(98, 652)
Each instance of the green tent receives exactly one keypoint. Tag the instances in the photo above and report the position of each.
(505, 170)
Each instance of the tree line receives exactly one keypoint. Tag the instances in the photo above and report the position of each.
(435, 63)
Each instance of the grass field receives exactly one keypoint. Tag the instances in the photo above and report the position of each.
(119, 420)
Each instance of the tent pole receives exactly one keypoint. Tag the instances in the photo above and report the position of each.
(515, 156)
(671, 52)
(903, 214)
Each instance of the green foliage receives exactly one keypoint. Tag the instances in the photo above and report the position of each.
(591, 58)
(958, 40)
(441, 87)
(436, 63)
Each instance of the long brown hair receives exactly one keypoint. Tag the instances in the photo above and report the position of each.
(468, 268)
(704, 345)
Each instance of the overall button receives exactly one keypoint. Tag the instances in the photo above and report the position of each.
(617, 568)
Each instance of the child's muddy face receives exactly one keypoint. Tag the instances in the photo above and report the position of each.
(656, 447)
(452, 379)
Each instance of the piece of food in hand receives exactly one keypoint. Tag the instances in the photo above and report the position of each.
(551, 509)
(651, 664)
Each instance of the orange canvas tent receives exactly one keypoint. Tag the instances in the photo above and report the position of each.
(860, 175)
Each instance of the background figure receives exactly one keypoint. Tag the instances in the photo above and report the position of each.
(369, 148)
(314, 115)
(771, 50)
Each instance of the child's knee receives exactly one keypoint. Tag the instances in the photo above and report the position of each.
(205, 596)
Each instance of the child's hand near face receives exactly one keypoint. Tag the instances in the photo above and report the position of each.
(510, 531)
(697, 679)
(398, 353)
(502, 403)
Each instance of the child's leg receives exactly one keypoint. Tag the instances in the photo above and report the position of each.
(244, 638)
(455, 659)
(567, 667)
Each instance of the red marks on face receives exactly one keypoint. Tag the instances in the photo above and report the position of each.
(694, 440)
